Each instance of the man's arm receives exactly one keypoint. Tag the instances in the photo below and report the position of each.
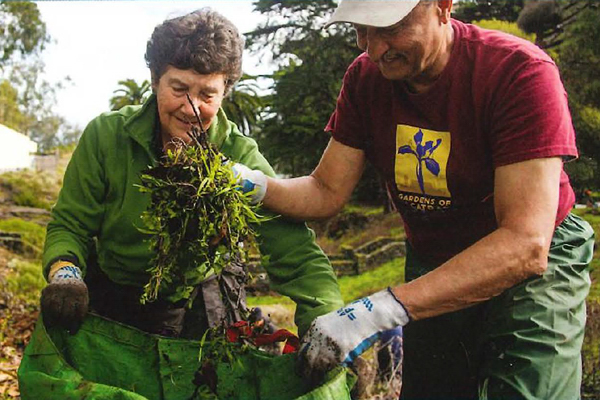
(297, 267)
(324, 192)
(526, 200)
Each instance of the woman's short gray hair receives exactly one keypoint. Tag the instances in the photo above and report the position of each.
(202, 40)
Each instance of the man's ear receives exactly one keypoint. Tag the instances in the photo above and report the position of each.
(445, 7)
(361, 37)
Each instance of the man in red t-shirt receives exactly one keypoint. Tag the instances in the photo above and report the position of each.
(469, 129)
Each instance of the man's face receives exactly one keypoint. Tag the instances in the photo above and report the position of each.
(174, 110)
(406, 49)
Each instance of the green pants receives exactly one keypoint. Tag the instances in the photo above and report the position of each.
(524, 344)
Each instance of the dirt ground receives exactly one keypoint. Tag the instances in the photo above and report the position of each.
(17, 320)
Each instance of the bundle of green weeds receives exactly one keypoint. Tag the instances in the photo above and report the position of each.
(197, 217)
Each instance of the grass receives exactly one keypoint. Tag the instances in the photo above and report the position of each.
(388, 274)
(267, 300)
(355, 226)
(591, 345)
(25, 280)
(591, 353)
(594, 221)
(352, 288)
(364, 210)
(29, 188)
(32, 234)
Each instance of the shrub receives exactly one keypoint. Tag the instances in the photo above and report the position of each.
(32, 235)
(389, 274)
(25, 280)
(29, 188)
(507, 27)
(591, 352)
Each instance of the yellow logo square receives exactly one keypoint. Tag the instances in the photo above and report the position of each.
(421, 161)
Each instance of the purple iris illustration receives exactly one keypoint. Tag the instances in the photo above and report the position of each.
(424, 154)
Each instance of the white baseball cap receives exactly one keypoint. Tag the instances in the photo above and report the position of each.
(380, 13)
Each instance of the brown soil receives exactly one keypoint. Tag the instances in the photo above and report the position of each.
(17, 320)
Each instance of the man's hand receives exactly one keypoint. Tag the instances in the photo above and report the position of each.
(341, 336)
(65, 300)
(251, 180)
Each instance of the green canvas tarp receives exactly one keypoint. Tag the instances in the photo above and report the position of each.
(106, 360)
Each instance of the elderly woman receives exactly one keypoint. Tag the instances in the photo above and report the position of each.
(94, 248)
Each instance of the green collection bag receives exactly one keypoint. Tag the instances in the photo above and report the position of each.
(107, 360)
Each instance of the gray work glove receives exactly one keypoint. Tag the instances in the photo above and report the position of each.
(250, 180)
(341, 336)
(65, 300)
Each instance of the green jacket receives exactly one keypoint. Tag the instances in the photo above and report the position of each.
(99, 199)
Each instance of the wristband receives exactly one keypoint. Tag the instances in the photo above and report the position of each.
(64, 270)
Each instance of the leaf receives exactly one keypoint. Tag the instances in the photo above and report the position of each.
(406, 150)
(437, 144)
(432, 166)
(418, 137)
(428, 146)
(202, 343)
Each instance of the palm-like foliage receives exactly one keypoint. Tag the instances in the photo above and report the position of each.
(244, 104)
(130, 93)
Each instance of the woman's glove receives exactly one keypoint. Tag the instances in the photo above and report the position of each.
(341, 336)
(65, 300)
(251, 180)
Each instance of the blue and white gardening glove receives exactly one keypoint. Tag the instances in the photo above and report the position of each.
(65, 300)
(341, 336)
(251, 180)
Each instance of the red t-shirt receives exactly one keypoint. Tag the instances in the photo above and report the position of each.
(499, 101)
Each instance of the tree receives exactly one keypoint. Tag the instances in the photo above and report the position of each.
(548, 19)
(311, 63)
(130, 93)
(22, 32)
(36, 101)
(27, 100)
(69, 134)
(477, 10)
(571, 31)
(10, 114)
(244, 104)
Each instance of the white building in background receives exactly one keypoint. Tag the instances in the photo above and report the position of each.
(17, 151)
